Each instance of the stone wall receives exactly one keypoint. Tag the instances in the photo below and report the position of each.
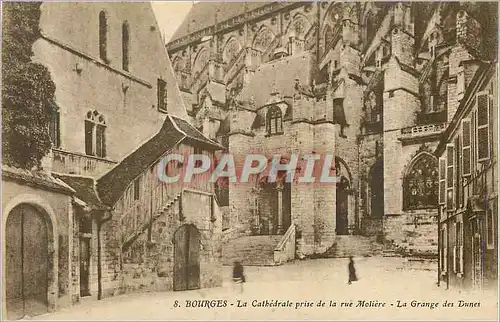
(148, 264)
(127, 99)
(57, 210)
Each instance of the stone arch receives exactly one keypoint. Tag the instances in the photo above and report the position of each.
(335, 8)
(48, 213)
(298, 26)
(367, 24)
(263, 39)
(421, 182)
(200, 61)
(232, 48)
(343, 165)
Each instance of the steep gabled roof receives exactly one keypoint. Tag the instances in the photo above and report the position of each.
(175, 130)
(205, 14)
(84, 188)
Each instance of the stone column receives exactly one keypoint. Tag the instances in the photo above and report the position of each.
(256, 216)
(279, 189)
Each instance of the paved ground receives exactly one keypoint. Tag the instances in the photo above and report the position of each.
(382, 280)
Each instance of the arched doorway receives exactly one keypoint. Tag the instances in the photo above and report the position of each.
(377, 189)
(27, 262)
(342, 222)
(186, 258)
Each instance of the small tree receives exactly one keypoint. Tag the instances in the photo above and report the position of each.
(28, 91)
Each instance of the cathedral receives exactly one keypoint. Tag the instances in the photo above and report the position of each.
(374, 83)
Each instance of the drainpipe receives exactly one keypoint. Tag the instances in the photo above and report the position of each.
(101, 219)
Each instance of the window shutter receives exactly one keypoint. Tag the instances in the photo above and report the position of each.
(466, 148)
(442, 181)
(450, 184)
(483, 123)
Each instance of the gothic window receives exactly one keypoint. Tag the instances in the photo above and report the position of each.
(421, 183)
(95, 134)
(200, 62)
(125, 46)
(263, 40)
(54, 129)
(103, 36)
(162, 95)
(231, 50)
(274, 120)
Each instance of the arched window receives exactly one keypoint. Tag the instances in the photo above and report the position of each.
(274, 120)
(95, 134)
(420, 185)
(125, 45)
(103, 36)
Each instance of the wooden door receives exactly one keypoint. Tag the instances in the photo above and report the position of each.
(27, 262)
(186, 258)
(342, 207)
(193, 260)
(84, 266)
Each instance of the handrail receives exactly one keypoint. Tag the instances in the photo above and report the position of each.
(285, 238)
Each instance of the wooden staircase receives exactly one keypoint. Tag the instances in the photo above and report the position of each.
(168, 206)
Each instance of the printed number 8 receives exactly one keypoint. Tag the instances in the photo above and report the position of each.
(176, 303)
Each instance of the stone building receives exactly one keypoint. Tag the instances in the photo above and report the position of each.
(468, 189)
(373, 83)
(119, 110)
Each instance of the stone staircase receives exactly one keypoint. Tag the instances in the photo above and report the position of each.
(251, 250)
(357, 246)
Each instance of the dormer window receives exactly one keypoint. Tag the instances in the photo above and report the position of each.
(274, 122)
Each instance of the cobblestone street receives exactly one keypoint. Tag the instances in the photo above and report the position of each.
(381, 280)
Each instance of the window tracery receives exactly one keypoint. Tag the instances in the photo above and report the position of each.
(421, 183)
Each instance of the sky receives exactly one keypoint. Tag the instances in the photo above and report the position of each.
(170, 15)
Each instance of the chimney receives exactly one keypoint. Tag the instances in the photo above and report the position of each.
(469, 32)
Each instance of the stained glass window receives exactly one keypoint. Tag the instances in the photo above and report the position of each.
(421, 184)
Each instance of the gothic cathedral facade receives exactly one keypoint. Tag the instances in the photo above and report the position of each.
(373, 83)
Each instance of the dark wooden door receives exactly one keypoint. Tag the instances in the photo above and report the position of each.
(341, 208)
(27, 262)
(186, 259)
(377, 189)
(84, 266)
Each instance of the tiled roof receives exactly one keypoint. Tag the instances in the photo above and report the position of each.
(84, 187)
(38, 179)
(112, 185)
(193, 134)
(278, 75)
(204, 14)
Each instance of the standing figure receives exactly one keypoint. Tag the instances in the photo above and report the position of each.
(352, 271)
(238, 275)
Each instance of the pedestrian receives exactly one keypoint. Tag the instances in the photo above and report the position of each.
(238, 275)
(352, 271)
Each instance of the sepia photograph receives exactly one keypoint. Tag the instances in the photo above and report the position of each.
(280, 160)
